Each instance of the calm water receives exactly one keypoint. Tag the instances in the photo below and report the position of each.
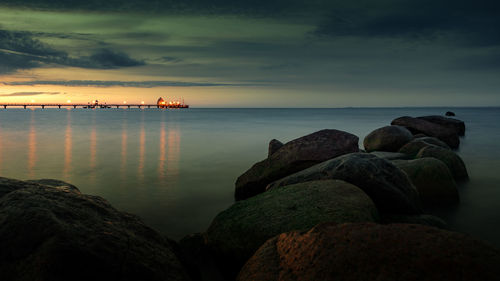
(176, 168)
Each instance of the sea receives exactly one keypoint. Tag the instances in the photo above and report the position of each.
(176, 168)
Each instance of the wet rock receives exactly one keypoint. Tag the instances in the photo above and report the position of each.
(424, 219)
(390, 155)
(57, 234)
(433, 141)
(455, 164)
(456, 125)
(236, 233)
(418, 125)
(388, 186)
(367, 251)
(388, 138)
(56, 183)
(274, 145)
(292, 157)
(433, 180)
(449, 113)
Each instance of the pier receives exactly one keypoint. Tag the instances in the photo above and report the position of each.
(91, 106)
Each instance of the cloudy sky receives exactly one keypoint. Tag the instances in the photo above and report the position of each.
(259, 53)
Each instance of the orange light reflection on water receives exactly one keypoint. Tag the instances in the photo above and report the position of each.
(32, 147)
(68, 146)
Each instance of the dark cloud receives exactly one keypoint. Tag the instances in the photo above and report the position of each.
(22, 94)
(138, 84)
(20, 50)
(170, 59)
(469, 22)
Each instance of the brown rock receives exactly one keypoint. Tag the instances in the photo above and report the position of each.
(292, 157)
(274, 145)
(388, 138)
(416, 126)
(367, 251)
(451, 123)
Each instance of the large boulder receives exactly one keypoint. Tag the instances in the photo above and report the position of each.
(274, 145)
(388, 138)
(292, 157)
(236, 233)
(449, 113)
(433, 180)
(367, 251)
(450, 158)
(412, 148)
(388, 186)
(416, 125)
(57, 234)
(390, 155)
(451, 123)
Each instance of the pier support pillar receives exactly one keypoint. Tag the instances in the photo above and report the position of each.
(24, 106)
(128, 106)
(59, 106)
(74, 106)
(5, 106)
(117, 106)
(43, 106)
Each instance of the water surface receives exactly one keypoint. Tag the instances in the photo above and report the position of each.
(176, 168)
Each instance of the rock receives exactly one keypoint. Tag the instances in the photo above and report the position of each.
(390, 155)
(424, 219)
(388, 186)
(419, 135)
(56, 183)
(388, 138)
(292, 157)
(53, 234)
(412, 148)
(8, 185)
(274, 145)
(199, 257)
(456, 125)
(449, 113)
(451, 159)
(418, 125)
(433, 180)
(433, 141)
(239, 231)
(367, 251)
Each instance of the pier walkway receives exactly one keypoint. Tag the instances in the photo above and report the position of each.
(91, 106)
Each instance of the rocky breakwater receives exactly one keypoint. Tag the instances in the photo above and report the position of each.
(330, 212)
(50, 231)
(292, 157)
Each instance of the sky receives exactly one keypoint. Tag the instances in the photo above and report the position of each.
(260, 53)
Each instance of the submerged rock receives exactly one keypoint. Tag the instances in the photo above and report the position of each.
(450, 158)
(388, 186)
(274, 145)
(388, 138)
(367, 251)
(449, 113)
(433, 180)
(418, 125)
(292, 157)
(236, 233)
(56, 183)
(57, 234)
(456, 125)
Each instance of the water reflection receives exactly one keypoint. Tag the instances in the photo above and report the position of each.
(32, 147)
(162, 151)
(142, 148)
(123, 166)
(68, 145)
(93, 152)
(174, 144)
